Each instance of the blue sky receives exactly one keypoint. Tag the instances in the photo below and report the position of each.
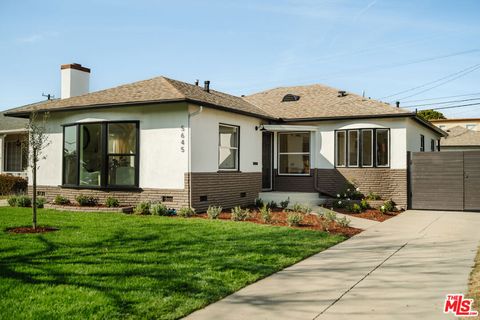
(382, 47)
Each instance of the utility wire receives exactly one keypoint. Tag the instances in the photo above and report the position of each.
(442, 102)
(452, 107)
(461, 73)
(447, 97)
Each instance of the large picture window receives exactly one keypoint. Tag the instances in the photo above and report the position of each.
(228, 145)
(294, 153)
(102, 154)
(362, 148)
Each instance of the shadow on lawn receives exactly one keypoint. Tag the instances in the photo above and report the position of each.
(196, 265)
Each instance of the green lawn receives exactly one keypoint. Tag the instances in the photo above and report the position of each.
(110, 265)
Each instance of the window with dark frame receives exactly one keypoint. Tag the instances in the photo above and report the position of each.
(357, 147)
(101, 154)
(432, 145)
(422, 143)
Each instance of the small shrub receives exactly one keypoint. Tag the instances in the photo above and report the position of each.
(284, 204)
(214, 212)
(343, 222)
(364, 204)
(239, 214)
(12, 201)
(142, 208)
(158, 209)
(355, 208)
(258, 203)
(186, 212)
(330, 216)
(266, 214)
(372, 196)
(325, 224)
(112, 202)
(23, 201)
(294, 218)
(12, 184)
(61, 200)
(41, 202)
(339, 204)
(388, 206)
(272, 205)
(301, 208)
(86, 201)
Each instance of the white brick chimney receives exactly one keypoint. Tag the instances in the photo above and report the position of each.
(75, 80)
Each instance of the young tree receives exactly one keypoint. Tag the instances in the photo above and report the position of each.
(37, 142)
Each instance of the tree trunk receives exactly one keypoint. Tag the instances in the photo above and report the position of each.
(34, 189)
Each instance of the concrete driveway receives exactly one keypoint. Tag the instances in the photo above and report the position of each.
(399, 269)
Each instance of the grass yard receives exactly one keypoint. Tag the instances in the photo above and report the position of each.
(111, 265)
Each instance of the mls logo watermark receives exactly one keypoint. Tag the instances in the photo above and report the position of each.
(459, 306)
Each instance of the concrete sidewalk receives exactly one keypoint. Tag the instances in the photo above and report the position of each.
(399, 269)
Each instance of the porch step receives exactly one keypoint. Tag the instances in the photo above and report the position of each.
(305, 198)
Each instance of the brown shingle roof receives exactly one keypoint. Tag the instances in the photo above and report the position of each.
(159, 89)
(460, 136)
(318, 101)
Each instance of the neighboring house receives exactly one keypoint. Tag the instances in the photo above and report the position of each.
(184, 144)
(461, 139)
(13, 136)
(467, 123)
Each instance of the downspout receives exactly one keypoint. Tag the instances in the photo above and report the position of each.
(190, 116)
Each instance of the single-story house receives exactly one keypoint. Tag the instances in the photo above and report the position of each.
(461, 139)
(467, 123)
(13, 136)
(188, 145)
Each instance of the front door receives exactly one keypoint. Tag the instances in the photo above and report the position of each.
(267, 160)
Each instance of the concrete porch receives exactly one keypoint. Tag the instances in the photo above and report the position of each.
(311, 199)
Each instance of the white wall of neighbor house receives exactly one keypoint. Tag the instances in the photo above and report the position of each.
(205, 139)
(163, 142)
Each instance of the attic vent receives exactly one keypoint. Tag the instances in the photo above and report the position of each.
(290, 97)
(342, 93)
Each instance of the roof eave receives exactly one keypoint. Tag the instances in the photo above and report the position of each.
(429, 125)
(389, 115)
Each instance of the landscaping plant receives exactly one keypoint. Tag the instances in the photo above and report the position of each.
(372, 196)
(158, 209)
(112, 202)
(294, 218)
(258, 203)
(186, 212)
(330, 216)
(12, 201)
(355, 208)
(86, 201)
(388, 206)
(41, 202)
(284, 204)
(364, 204)
(239, 214)
(213, 212)
(12, 184)
(142, 208)
(266, 214)
(61, 200)
(272, 205)
(343, 222)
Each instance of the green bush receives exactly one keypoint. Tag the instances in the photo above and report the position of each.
(258, 203)
(343, 222)
(301, 208)
(272, 205)
(294, 218)
(372, 196)
(339, 204)
(142, 208)
(284, 204)
(112, 202)
(330, 216)
(61, 200)
(355, 208)
(214, 212)
(12, 201)
(86, 201)
(364, 204)
(186, 212)
(388, 206)
(239, 214)
(41, 202)
(23, 201)
(159, 209)
(266, 214)
(12, 184)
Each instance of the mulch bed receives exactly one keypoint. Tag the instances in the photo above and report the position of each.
(21, 230)
(370, 214)
(279, 218)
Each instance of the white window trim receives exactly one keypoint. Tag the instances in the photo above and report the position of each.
(237, 158)
(358, 149)
(371, 147)
(300, 153)
(388, 148)
(336, 149)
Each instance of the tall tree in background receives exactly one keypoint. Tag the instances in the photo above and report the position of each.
(37, 142)
(430, 115)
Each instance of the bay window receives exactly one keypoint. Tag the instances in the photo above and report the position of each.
(228, 143)
(101, 154)
(294, 153)
(362, 148)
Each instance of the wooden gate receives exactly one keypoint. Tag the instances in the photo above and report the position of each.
(444, 180)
